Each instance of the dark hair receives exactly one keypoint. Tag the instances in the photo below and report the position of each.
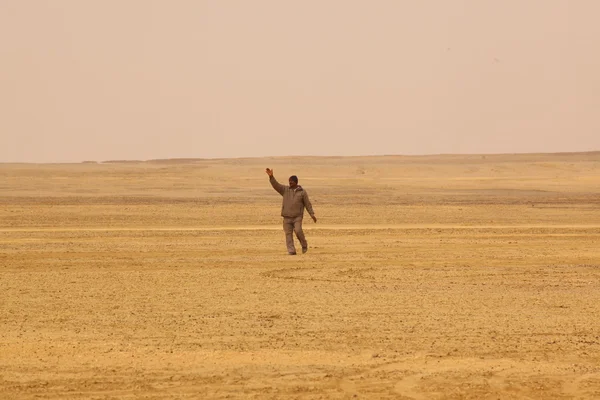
(294, 178)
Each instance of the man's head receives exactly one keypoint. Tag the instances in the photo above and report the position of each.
(293, 181)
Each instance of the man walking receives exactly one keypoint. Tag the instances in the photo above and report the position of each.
(295, 199)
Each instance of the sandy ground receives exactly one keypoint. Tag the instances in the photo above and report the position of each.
(448, 277)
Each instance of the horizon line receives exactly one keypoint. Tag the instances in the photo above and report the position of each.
(184, 159)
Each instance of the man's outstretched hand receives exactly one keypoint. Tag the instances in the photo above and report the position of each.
(314, 218)
(269, 172)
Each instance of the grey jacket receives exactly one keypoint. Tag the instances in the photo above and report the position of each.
(294, 200)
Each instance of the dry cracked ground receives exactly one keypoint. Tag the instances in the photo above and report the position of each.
(448, 277)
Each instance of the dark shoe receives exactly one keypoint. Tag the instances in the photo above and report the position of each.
(304, 250)
(292, 254)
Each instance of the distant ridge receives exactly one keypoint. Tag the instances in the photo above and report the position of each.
(595, 153)
(123, 162)
(581, 155)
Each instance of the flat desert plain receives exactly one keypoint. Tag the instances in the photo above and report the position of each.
(429, 277)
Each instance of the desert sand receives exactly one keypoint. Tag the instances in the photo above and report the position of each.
(430, 277)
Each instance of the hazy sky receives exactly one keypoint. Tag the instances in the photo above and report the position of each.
(140, 79)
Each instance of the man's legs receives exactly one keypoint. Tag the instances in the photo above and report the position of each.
(300, 233)
(288, 228)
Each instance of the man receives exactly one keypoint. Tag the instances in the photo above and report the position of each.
(295, 199)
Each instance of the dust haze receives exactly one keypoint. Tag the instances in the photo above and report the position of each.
(157, 79)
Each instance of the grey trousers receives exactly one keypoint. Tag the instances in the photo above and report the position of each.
(291, 226)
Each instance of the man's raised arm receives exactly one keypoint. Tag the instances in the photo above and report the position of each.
(276, 185)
